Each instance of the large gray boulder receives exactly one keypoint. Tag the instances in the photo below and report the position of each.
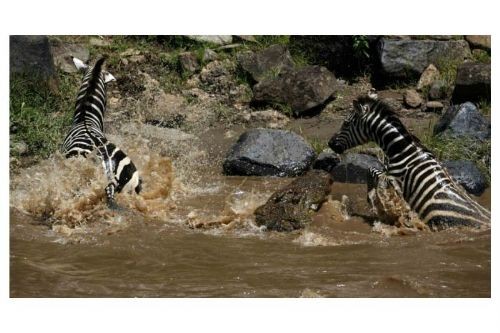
(353, 168)
(269, 152)
(464, 120)
(265, 63)
(31, 55)
(301, 89)
(468, 175)
(406, 59)
(473, 82)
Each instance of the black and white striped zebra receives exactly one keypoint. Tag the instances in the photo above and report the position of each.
(425, 184)
(87, 132)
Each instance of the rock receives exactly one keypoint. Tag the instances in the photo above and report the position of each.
(31, 54)
(479, 41)
(214, 39)
(246, 38)
(266, 118)
(219, 78)
(98, 42)
(138, 58)
(327, 160)
(289, 208)
(63, 52)
(467, 174)
(19, 147)
(353, 168)
(188, 62)
(412, 98)
(266, 63)
(406, 59)
(209, 55)
(301, 89)
(129, 52)
(434, 106)
(429, 75)
(438, 90)
(473, 83)
(337, 53)
(464, 120)
(268, 152)
(229, 46)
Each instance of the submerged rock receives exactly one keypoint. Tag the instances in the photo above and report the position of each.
(301, 89)
(353, 168)
(289, 208)
(473, 83)
(464, 120)
(269, 152)
(468, 175)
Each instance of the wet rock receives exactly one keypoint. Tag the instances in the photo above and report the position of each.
(412, 98)
(266, 63)
(188, 62)
(214, 39)
(301, 89)
(434, 106)
(407, 59)
(438, 90)
(473, 82)
(479, 41)
(428, 77)
(290, 208)
(266, 118)
(327, 160)
(353, 168)
(269, 152)
(31, 54)
(464, 120)
(63, 52)
(468, 175)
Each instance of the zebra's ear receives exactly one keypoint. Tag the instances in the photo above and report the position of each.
(80, 65)
(359, 108)
(108, 77)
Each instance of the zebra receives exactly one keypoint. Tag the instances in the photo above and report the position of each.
(425, 184)
(87, 132)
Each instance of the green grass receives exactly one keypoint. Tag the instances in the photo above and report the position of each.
(40, 116)
(318, 144)
(484, 107)
(481, 56)
(448, 70)
(446, 147)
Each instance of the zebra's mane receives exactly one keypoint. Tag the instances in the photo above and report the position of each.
(387, 112)
(94, 78)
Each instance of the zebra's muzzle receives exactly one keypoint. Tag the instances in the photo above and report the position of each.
(336, 145)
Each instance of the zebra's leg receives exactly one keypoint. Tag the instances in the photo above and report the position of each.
(110, 195)
(373, 176)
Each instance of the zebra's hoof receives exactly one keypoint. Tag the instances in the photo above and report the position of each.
(114, 206)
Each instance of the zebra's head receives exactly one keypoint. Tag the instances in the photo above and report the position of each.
(83, 67)
(354, 131)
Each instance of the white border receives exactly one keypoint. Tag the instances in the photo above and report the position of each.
(245, 17)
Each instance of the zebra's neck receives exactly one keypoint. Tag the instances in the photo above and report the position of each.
(392, 137)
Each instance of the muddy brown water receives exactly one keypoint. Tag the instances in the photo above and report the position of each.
(198, 239)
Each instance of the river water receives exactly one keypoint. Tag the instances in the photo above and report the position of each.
(191, 234)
